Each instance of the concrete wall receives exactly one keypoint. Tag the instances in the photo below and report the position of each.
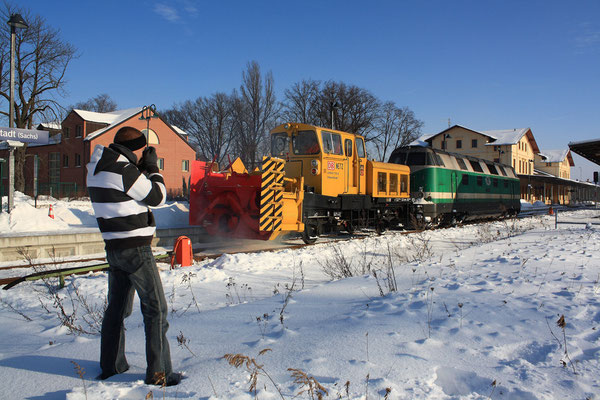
(78, 244)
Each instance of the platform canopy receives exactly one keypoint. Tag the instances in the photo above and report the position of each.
(589, 149)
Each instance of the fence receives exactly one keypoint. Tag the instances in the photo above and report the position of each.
(57, 190)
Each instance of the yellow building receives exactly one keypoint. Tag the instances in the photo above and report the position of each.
(514, 147)
(555, 162)
(549, 183)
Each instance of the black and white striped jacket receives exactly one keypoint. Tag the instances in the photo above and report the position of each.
(120, 195)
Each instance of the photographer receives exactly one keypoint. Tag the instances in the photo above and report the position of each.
(121, 191)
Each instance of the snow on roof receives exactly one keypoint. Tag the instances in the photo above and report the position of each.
(505, 136)
(553, 155)
(179, 130)
(422, 141)
(51, 125)
(106, 118)
(113, 118)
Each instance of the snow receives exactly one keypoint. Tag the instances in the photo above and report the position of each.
(71, 215)
(505, 136)
(474, 316)
(554, 156)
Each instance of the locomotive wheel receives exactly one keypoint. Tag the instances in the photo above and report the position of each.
(310, 234)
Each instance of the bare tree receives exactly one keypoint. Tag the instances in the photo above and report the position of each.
(301, 102)
(209, 122)
(353, 109)
(41, 61)
(396, 127)
(102, 103)
(255, 111)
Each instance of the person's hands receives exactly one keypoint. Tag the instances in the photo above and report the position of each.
(149, 160)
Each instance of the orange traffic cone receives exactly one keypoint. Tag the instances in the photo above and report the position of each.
(550, 211)
(51, 212)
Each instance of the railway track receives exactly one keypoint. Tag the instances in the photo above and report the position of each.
(204, 253)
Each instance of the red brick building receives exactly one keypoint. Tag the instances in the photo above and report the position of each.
(62, 162)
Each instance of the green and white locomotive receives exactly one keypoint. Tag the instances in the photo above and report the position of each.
(449, 188)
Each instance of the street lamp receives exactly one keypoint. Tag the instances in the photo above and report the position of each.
(15, 21)
(148, 112)
(446, 136)
(334, 105)
(500, 152)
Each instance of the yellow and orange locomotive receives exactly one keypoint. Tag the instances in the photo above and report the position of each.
(316, 181)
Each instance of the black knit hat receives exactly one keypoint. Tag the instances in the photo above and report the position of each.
(130, 138)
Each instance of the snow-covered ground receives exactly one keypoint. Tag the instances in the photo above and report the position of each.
(460, 313)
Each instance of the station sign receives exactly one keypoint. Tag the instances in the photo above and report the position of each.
(24, 135)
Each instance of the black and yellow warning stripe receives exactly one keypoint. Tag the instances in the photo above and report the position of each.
(271, 194)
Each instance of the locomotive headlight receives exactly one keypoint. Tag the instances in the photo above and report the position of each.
(315, 170)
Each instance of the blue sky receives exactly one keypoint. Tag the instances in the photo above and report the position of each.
(482, 64)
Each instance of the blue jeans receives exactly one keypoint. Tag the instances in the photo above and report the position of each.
(134, 270)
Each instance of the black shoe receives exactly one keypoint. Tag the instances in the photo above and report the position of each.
(173, 379)
(106, 375)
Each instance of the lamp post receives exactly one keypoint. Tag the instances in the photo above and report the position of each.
(148, 112)
(529, 173)
(334, 105)
(15, 21)
(446, 136)
(500, 152)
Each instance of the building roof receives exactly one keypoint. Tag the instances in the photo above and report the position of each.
(589, 149)
(179, 130)
(107, 118)
(556, 156)
(55, 125)
(113, 119)
(506, 136)
(500, 137)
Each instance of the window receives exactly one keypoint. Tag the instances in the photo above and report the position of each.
(443, 145)
(461, 164)
(65, 161)
(492, 168)
(303, 143)
(381, 182)
(66, 132)
(501, 169)
(279, 144)
(53, 167)
(393, 183)
(459, 144)
(151, 136)
(185, 165)
(78, 131)
(548, 164)
(332, 143)
(161, 163)
(474, 143)
(465, 179)
(404, 183)
(480, 180)
(77, 160)
(495, 182)
(348, 145)
(476, 166)
(360, 148)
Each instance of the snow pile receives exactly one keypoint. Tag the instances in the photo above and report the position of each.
(474, 316)
(74, 214)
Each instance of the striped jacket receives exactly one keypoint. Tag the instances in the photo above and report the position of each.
(120, 196)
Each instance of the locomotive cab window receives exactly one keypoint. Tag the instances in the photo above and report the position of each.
(305, 143)
(480, 181)
(279, 144)
(348, 145)
(332, 143)
(501, 169)
(461, 164)
(360, 148)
